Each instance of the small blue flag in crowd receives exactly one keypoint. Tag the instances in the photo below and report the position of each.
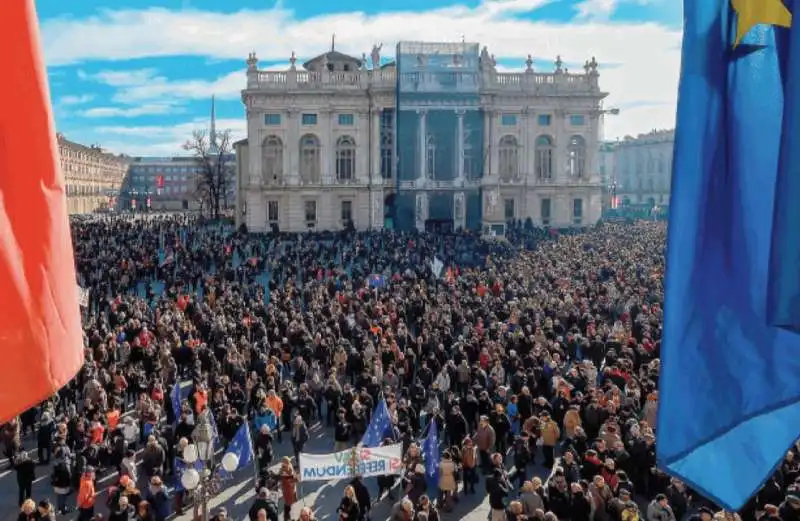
(380, 426)
(430, 453)
(242, 446)
(377, 281)
(175, 400)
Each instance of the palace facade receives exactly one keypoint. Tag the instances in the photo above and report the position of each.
(437, 138)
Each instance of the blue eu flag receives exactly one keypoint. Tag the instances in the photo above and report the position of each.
(728, 408)
(376, 281)
(380, 427)
(430, 453)
(175, 399)
(242, 446)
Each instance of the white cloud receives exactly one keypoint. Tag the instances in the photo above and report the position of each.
(596, 8)
(131, 112)
(161, 140)
(140, 85)
(75, 100)
(643, 58)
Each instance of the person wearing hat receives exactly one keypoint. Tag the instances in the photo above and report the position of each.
(703, 514)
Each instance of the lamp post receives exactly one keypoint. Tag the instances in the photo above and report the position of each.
(202, 449)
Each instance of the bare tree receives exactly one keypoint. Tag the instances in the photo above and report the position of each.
(214, 170)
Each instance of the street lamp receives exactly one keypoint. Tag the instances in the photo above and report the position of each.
(202, 449)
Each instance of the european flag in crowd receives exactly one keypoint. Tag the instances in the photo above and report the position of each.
(430, 453)
(175, 399)
(380, 426)
(377, 281)
(242, 446)
(728, 407)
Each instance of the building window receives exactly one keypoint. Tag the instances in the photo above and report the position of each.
(272, 212)
(311, 213)
(345, 159)
(544, 157)
(309, 119)
(508, 152)
(508, 120)
(309, 158)
(272, 119)
(272, 159)
(346, 120)
(508, 209)
(430, 157)
(544, 120)
(387, 151)
(577, 120)
(577, 157)
(544, 211)
(577, 211)
(347, 212)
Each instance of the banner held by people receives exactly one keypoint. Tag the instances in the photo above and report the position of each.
(347, 464)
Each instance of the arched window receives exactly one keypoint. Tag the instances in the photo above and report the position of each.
(577, 157)
(430, 157)
(544, 157)
(508, 151)
(272, 159)
(309, 158)
(345, 159)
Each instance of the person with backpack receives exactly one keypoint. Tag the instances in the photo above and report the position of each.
(61, 480)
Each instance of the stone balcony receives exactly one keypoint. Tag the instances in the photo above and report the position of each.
(535, 83)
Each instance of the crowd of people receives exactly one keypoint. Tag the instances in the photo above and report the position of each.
(537, 354)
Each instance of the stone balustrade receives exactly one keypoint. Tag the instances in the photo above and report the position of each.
(528, 81)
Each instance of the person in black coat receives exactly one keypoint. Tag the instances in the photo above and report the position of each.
(26, 474)
(362, 496)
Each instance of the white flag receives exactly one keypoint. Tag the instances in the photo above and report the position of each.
(436, 267)
(83, 295)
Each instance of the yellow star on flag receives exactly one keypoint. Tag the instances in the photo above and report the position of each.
(750, 13)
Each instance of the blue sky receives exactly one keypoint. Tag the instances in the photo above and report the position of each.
(136, 76)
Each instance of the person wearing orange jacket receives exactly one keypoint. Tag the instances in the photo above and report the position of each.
(86, 496)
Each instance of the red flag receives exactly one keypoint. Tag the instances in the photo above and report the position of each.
(40, 325)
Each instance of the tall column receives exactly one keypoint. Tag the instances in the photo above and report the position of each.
(459, 210)
(291, 161)
(375, 138)
(459, 146)
(328, 160)
(421, 211)
(422, 144)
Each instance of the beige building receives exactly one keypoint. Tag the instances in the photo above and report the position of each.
(641, 168)
(323, 147)
(93, 176)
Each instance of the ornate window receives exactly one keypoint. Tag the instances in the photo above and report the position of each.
(309, 158)
(508, 151)
(430, 157)
(345, 159)
(544, 157)
(576, 152)
(272, 159)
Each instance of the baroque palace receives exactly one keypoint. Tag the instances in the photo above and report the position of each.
(93, 177)
(434, 139)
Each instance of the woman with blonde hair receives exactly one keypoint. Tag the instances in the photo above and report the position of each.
(27, 512)
(288, 487)
(349, 509)
(306, 514)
